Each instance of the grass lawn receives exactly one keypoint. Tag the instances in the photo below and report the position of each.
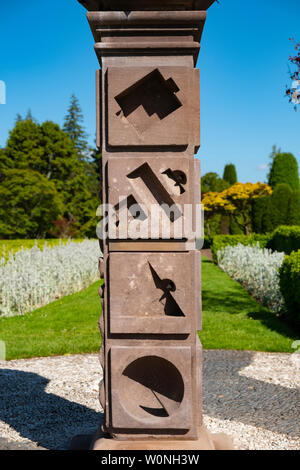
(67, 326)
(231, 320)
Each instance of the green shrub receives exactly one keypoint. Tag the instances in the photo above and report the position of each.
(290, 285)
(230, 174)
(294, 209)
(221, 241)
(268, 222)
(285, 239)
(282, 208)
(212, 225)
(211, 182)
(280, 204)
(284, 170)
(234, 228)
(259, 210)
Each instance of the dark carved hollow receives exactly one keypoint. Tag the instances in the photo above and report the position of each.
(152, 386)
(154, 93)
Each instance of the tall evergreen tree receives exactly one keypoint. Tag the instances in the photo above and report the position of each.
(284, 170)
(29, 116)
(230, 174)
(73, 126)
(18, 118)
(23, 149)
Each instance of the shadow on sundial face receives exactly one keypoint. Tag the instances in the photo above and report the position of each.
(151, 385)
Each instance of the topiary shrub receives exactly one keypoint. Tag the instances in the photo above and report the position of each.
(285, 239)
(285, 170)
(260, 207)
(221, 241)
(290, 285)
(230, 174)
(280, 204)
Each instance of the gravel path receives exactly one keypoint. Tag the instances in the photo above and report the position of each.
(254, 397)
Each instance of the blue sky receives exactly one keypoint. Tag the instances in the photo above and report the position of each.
(46, 52)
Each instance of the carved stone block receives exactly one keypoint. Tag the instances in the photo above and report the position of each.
(151, 388)
(150, 106)
(153, 293)
(137, 186)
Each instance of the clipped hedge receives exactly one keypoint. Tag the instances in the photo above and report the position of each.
(285, 239)
(290, 285)
(221, 241)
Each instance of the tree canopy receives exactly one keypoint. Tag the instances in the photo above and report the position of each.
(211, 182)
(29, 202)
(45, 149)
(236, 201)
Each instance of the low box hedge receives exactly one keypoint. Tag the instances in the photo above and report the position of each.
(290, 285)
(285, 239)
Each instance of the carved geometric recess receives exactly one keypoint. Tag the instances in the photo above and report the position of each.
(157, 190)
(135, 184)
(153, 293)
(155, 94)
(146, 376)
(151, 388)
(148, 106)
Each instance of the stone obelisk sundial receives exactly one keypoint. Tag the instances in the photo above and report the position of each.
(148, 128)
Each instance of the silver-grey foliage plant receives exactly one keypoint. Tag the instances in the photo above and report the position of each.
(257, 270)
(30, 279)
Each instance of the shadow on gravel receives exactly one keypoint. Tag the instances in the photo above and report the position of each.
(42, 417)
(52, 421)
(228, 395)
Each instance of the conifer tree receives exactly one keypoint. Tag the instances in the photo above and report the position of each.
(230, 174)
(29, 116)
(73, 127)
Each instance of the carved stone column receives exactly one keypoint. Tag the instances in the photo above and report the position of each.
(148, 127)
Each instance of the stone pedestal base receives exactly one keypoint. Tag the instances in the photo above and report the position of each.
(206, 441)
